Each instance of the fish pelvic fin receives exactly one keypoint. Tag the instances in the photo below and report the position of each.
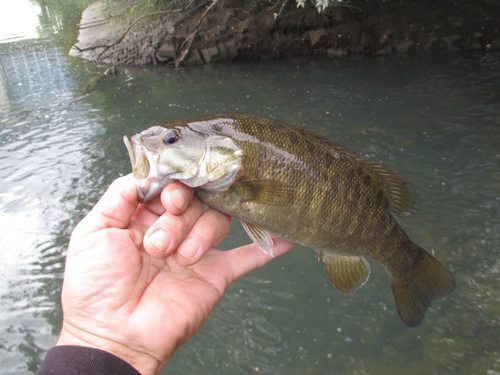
(261, 237)
(347, 273)
(402, 197)
(413, 292)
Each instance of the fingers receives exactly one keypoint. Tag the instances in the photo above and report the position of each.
(208, 231)
(247, 258)
(222, 268)
(176, 197)
(184, 231)
(165, 235)
(147, 214)
(186, 237)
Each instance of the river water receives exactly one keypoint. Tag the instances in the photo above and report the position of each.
(436, 119)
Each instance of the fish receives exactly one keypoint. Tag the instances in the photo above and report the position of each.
(283, 180)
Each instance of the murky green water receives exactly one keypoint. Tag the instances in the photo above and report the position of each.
(434, 119)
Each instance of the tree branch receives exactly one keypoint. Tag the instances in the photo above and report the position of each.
(192, 37)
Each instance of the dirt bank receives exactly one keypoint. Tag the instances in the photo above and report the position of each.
(113, 34)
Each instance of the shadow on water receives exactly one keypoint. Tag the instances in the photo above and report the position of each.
(434, 119)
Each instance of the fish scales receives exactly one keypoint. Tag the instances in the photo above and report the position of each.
(316, 173)
(283, 180)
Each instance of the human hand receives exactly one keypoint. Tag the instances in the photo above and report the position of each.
(138, 296)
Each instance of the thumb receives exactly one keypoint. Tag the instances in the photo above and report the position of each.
(114, 210)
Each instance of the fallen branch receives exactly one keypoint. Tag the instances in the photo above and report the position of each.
(192, 37)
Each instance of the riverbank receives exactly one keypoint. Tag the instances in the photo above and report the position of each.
(138, 35)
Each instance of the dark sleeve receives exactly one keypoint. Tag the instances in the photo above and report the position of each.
(81, 360)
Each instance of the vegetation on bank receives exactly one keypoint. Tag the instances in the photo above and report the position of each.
(255, 6)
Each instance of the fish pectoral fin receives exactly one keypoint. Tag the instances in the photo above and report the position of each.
(347, 273)
(261, 237)
(262, 191)
(402, 196)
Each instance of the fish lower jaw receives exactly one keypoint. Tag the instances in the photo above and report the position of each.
(139, 161)
(149, 188)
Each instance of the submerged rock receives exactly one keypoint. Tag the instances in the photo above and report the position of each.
(432, 43)
(94, 81)
(452, 40)
(333, 52)
(405, 46)
(315, 35)
(385, 51)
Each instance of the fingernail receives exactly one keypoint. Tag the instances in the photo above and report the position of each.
(178, 198)
(160, 240)
(189, 248)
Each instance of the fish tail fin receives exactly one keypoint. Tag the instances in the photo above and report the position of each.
(426, 281)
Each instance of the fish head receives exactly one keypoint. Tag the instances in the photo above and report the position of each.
(163, 154)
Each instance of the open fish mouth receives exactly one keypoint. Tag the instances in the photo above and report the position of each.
(144, 168)
(138, 158)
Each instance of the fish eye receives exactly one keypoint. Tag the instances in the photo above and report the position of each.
(170, 138)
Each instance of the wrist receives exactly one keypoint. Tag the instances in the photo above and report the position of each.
(144, 363)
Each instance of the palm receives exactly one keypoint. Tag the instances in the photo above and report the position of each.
(141, 288)
(115, 292)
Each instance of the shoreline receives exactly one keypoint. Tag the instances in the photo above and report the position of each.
(376, 28)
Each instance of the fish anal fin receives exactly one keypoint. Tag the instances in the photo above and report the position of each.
(402, 196)
(262, 191)
(261, 237)
(417, 288)
(347, 273)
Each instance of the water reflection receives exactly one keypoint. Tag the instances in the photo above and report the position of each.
(436, 120)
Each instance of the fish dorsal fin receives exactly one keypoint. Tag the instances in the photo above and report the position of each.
(338, 150)
(261, 237)
(347, 273)
(262, 191)
(402, 196)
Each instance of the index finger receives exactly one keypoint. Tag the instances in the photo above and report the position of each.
(176, 197)
(222, 268)
(250, 257)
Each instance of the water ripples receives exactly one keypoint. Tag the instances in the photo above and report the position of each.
(59, 150)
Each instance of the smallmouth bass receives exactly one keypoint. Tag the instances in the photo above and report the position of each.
(280, 179)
